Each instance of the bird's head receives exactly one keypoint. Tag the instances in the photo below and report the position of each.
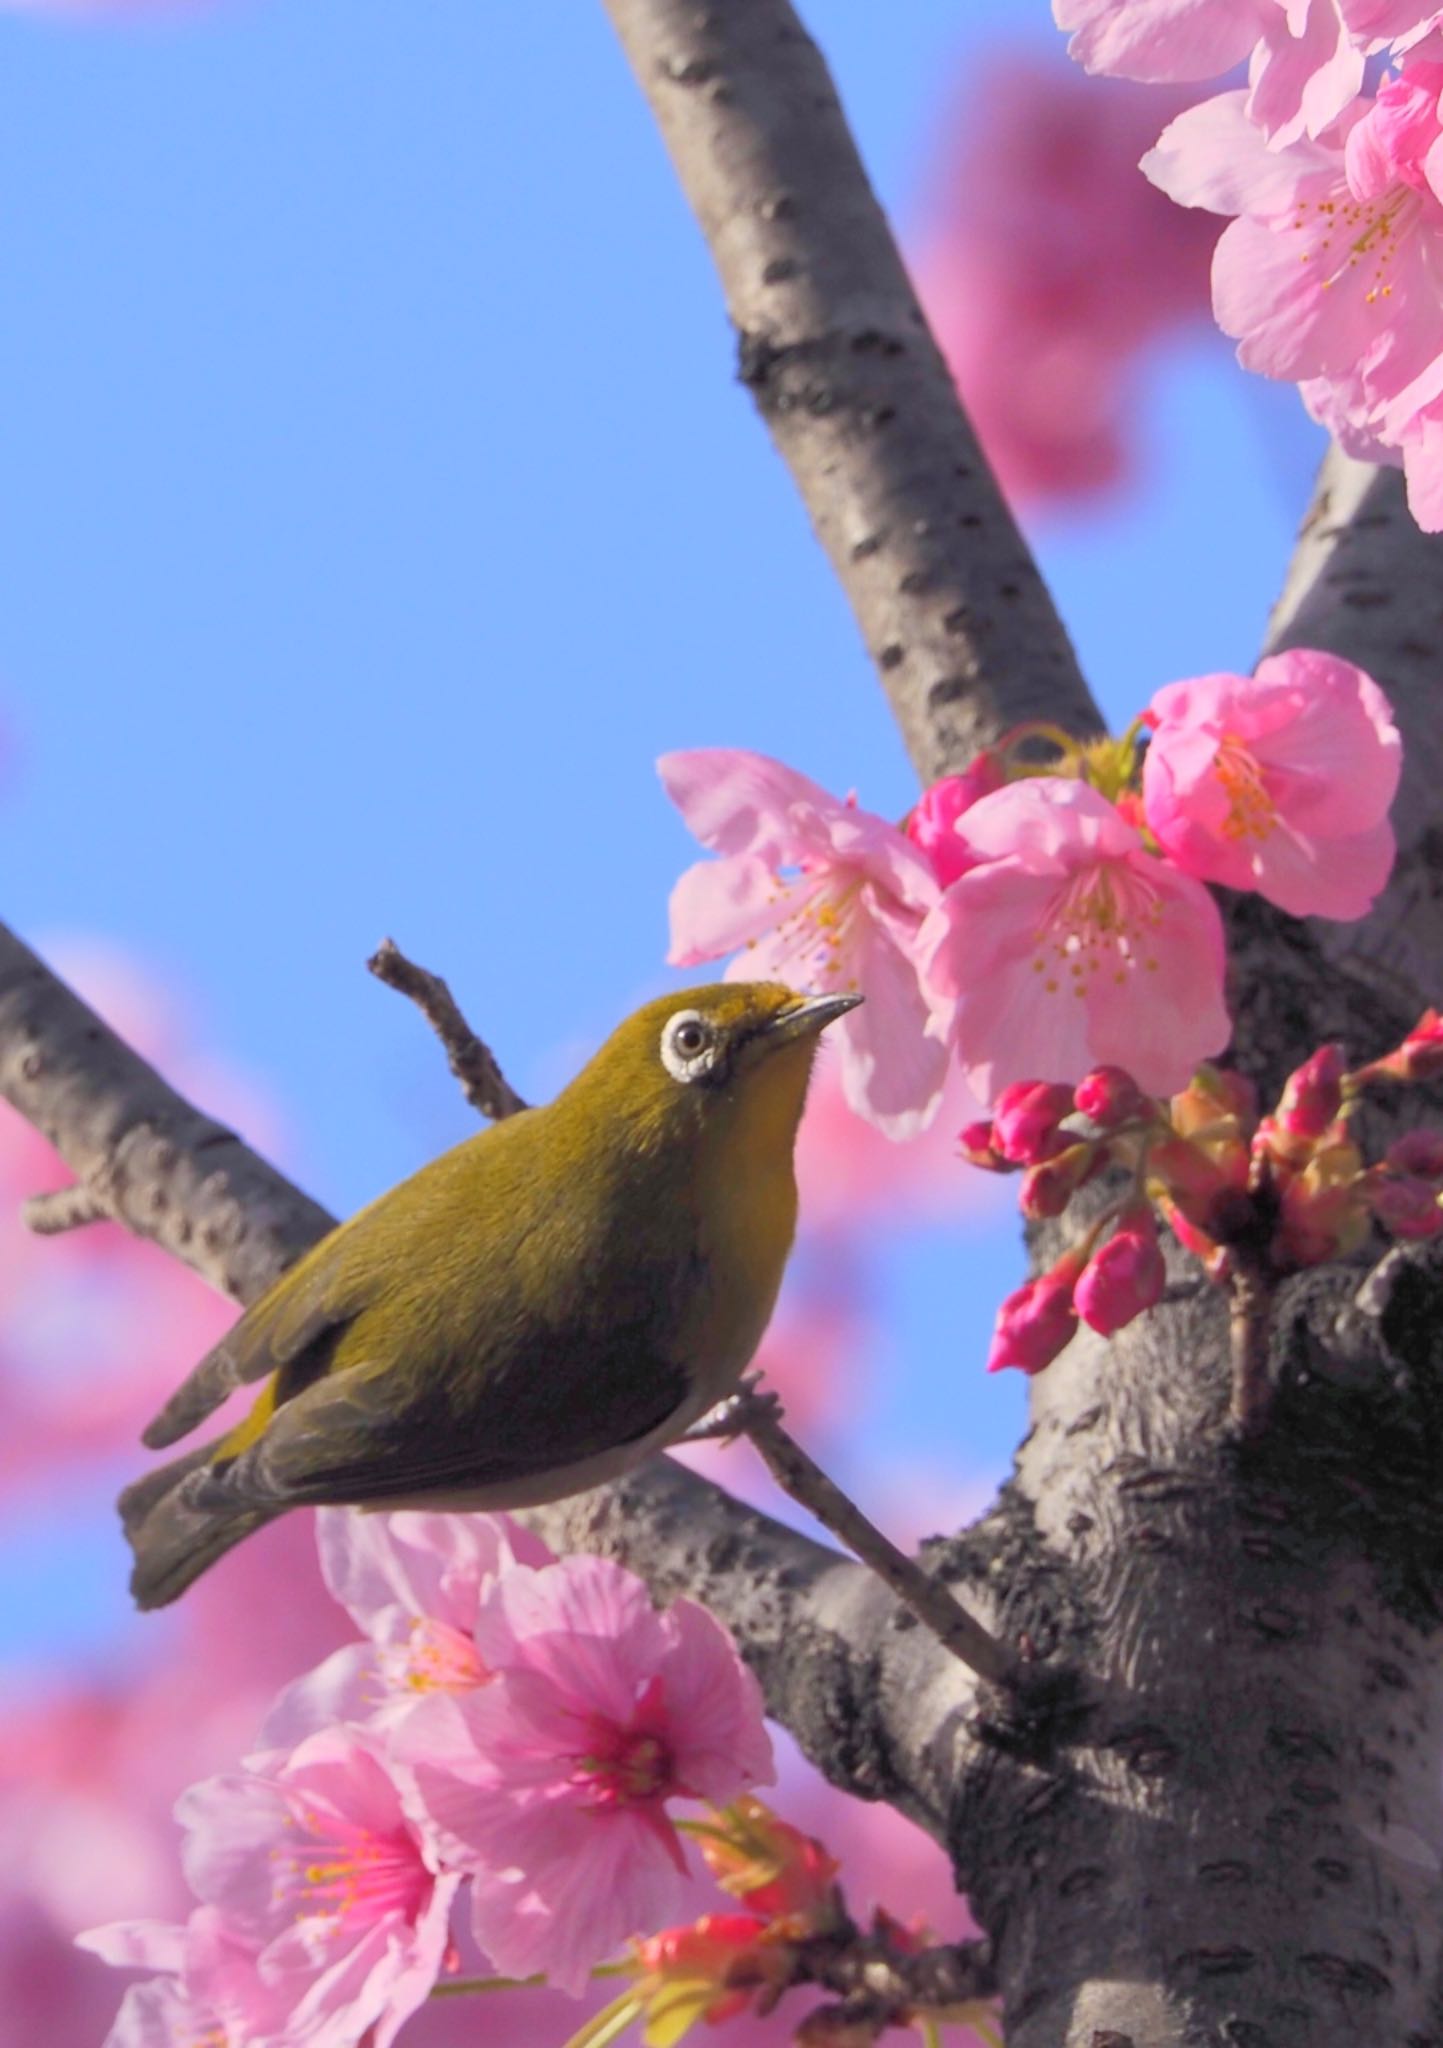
(730, 1053)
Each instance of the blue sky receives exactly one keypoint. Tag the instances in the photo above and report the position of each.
(379, 503)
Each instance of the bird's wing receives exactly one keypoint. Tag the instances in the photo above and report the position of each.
(342, 1440)
(292, 1329)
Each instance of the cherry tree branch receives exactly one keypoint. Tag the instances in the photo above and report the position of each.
(143, 1154)
(835, 351)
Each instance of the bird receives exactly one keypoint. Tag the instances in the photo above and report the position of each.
(532, 1313)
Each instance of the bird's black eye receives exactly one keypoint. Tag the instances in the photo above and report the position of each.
(688, 1046)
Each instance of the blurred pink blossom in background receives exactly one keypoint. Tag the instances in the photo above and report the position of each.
(1046, 266)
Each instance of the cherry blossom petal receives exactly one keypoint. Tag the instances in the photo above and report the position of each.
(1158, 40)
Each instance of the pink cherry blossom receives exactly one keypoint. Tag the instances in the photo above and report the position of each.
(1046, 263)
(819, 894)
(1305, 57)
(549, 1785)
(1156, 40)
(210, 1993)
(412, 1582)
(1070, 946)
(1278, 782)
(312, 1864)
(1332, 275)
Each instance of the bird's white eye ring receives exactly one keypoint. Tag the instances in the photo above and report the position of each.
(688, 1045)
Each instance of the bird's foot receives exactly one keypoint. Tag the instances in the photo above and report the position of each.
(734, 1416)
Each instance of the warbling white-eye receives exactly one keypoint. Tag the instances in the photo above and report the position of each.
(534, 1312)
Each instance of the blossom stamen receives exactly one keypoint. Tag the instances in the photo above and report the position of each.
(1252, 814)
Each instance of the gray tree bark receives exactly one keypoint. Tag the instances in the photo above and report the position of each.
(1215, 1816)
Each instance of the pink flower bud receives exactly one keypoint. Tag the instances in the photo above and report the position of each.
(932, 825)
(1423, 1047)
(1215, 1095)
(976, 1146)
(1312, 1094)
(1418, 1058)
(1025, 1120)
(1419, 1152)
(1036, 1321)
(1125, 1276)
(1048, 1187)
(1217, 1261)
(1407, 1207)
(1204, 1189)
(1110, 1096)
(1324, 1208)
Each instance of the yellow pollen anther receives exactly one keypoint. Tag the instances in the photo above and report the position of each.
(1252, 813)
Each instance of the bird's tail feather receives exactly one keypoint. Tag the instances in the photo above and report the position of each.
(178, 1521)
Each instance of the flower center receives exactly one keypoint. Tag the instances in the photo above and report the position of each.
(817, 929)
(1100, 922)
(435, 1658)
(1359, 234)
(1252, 813)
(625, 1767)
(348, 1871)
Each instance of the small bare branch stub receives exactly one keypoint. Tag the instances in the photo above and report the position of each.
(471, 1060)
(62, 1209)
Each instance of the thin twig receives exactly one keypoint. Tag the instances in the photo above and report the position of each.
(473, 1063)
(62, 1209)
(758, 1418)
(1249, 1323)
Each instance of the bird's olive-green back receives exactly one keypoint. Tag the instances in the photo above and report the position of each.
(557, 1283)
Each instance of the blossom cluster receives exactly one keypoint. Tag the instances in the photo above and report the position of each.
(511, 1724)
(1329, 276)
(1036, 921)
(1268, 1194)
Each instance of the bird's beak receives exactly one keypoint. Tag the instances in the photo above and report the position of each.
(811, 1014)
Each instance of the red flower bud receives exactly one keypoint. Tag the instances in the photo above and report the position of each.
(1048, 1187)
(933, 824)
(1036, 1321)
(1419, 1152)
(1407, 1207)
(1110, 1096)
(1312, 1094)
(1124, 1276)
(976, 1146)
(1025, 1120)
(1418, 1058)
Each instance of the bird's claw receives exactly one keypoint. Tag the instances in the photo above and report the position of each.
(734, 1416)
